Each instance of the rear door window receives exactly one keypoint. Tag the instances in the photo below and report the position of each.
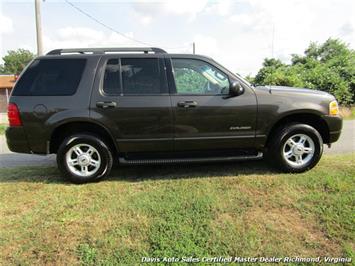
(51, 77)
(141, 76)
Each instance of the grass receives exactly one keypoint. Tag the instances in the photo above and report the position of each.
(174, 211)
(2, 129)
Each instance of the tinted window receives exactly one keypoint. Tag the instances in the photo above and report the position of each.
(51, 77)
(141, 76)
(198, 77)
(112, 77)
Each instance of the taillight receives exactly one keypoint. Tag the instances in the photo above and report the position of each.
(13, 114)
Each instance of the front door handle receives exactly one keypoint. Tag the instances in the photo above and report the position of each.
(187, 104)
(105, 105)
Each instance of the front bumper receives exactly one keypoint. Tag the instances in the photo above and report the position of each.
(16, 140)
(335, 124)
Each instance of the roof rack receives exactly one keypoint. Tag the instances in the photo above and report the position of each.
(107, 50)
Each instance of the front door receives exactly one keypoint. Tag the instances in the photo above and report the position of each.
(132, 100)
(204, 118)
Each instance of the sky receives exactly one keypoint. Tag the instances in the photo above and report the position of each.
(239, 34)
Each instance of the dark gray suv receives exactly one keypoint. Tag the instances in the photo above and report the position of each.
(143, 105)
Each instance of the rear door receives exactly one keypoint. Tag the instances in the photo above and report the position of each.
(131, 98)
(205, 118)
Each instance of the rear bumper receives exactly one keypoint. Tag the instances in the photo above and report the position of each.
(16, 140)
(335, 124)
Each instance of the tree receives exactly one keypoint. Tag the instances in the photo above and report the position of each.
(250, 79)
(274, 72)
(15, 61)
(329, 67)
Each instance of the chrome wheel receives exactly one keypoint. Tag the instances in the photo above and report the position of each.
(298, 150)
(83, 160)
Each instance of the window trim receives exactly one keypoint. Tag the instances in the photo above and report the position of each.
(174, 89)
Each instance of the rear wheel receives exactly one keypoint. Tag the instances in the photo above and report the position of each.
(295, 148)
(84, 158)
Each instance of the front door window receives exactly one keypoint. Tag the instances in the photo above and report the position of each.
(194, 76)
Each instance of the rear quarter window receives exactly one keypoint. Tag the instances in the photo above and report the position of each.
(50, 77)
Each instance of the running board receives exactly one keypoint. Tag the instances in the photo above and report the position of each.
(192, 160)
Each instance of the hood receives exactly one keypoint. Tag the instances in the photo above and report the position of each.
(291, 90)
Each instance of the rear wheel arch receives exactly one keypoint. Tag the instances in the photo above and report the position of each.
(313, 120)
(62, 131)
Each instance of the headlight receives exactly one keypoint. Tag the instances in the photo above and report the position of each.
(333, 108)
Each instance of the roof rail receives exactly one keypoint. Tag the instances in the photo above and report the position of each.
(107, 50)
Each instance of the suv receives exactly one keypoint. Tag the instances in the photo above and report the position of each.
(143, 105)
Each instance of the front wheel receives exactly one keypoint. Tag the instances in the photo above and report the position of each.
(84, 158)
(295, 148)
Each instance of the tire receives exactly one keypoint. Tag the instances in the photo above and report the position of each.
(84, 158)
(295, 148)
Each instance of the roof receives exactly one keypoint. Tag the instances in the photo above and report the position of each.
(145, 50)
(115, 50)
(7, 81)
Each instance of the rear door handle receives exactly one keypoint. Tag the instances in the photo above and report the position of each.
(187, 104)
(105, 105)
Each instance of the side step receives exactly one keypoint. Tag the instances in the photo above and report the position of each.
(192, 160)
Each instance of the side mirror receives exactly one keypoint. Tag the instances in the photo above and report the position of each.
(236, 89)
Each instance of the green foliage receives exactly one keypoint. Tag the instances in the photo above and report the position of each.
(329, 67)
(15, 61)
(2, 129)
(189, 81)
(250, 79)
(87, 254)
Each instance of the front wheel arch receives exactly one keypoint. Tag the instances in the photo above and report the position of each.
(313, 120)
